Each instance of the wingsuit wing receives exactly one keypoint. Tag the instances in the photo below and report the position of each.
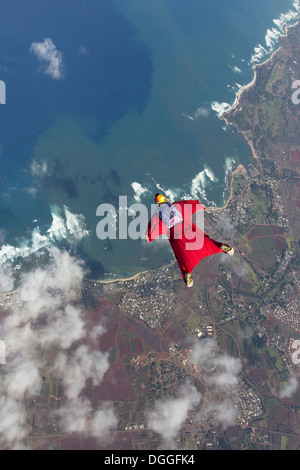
(156, 228)
(189, 243)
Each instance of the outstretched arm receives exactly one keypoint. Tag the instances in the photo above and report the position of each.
(191, 206)
(155, 228)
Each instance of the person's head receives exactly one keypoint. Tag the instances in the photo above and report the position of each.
(160, 198)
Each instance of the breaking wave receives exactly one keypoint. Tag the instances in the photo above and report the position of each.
(261, 52)
(235, 68)
(199, 183)
(65, 227)
(195, 189)
(220, 108)
(229, 165)
(274, 34)
(138, 190)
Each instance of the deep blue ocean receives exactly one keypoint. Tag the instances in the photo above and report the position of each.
(120, 97)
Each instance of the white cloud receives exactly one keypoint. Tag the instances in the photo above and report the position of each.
(202, 351)
(77, 414)
(82, 365)
(13, 422)
(45, 317)
(223, 413)
(220, 373)
(201, 112)
(31, 190)
(26, 377)
(102, 421)
(82, 50)
(220, 370)
(50, 57)
(236, 264)
(289, 388)
(168, 415)
(6, 281)
(227, 225)
(227, 370)
(38, 168)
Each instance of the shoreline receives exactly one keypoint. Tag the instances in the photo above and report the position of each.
(250, 85)
(236, 104)
(109, 281)
(240, 168)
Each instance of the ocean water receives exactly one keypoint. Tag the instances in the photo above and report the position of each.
(120, 97)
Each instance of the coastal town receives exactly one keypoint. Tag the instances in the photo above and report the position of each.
(229, 301)
(255, 297)
(154, 297)
(150, 296)
(243, 310)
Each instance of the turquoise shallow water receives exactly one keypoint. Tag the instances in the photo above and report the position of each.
(120, 97)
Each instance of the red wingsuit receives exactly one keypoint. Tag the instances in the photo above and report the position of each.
(181, 237)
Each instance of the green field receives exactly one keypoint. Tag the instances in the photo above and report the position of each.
(265, 258)
(193, 322)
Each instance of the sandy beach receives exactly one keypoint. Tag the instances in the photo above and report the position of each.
(109, 281)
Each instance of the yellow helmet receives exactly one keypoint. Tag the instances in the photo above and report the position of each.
(160, 198)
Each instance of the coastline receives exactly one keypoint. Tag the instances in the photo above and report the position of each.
(131, 278)
(109, 281)
(240, 168)
(237, 104)
(250, 85)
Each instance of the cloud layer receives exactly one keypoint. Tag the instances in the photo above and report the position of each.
(45, 318)
(50, 57)
(220, 373)
(168, 415)
(289, 388)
